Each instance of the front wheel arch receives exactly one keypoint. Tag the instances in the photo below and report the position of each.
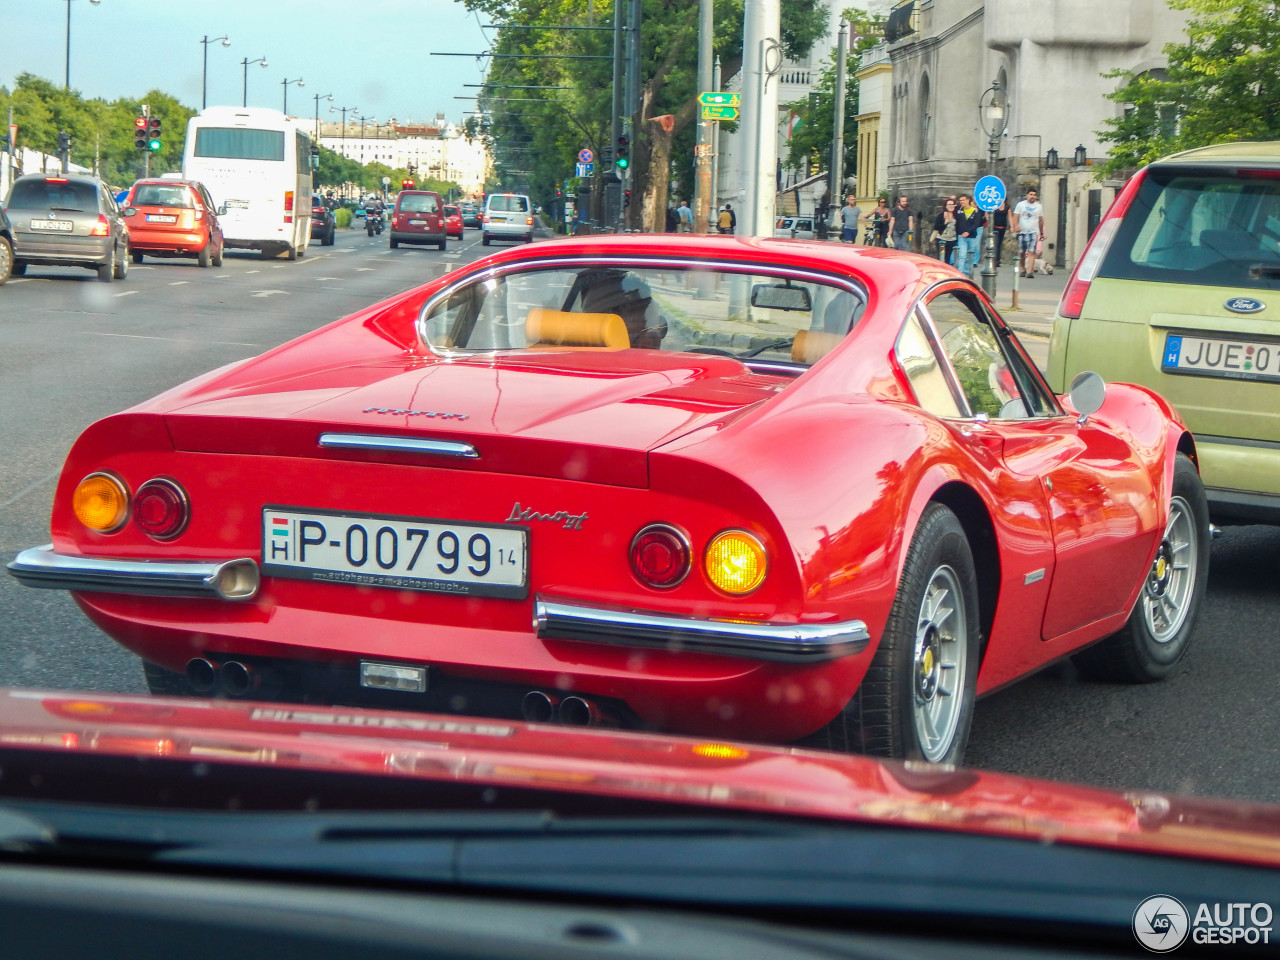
(975, 518)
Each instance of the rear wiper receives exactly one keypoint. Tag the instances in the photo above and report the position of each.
(1269, 271)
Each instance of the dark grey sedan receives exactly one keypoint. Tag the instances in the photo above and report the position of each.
(67, 221)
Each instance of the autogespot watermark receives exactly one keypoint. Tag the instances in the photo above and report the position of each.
(1161, 923)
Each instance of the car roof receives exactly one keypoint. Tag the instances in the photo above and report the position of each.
(1263, 151)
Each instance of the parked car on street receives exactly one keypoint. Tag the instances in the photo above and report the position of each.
(797, 228)
(1179, 290)
(507, 216)
(173, 218)
(323, 222)
(453, 221)
(418, 217)
(6, 246)
(67, 221)
(770, 490)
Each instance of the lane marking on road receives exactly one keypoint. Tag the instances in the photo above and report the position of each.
(222, 276)
(178, 283)
(139, 336)
(253, 271)
(365, 269)
(326, 278)
(30, 488)
(269, 293)
(127, 293)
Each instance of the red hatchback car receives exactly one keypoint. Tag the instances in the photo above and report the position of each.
(418, 217)
(453, 222)
(173, 218)
(777, 490)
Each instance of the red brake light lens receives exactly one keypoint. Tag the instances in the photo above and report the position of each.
(1077, 288)
(660, 556)
(102, 228)
(161, 509)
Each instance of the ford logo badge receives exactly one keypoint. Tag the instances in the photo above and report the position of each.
(1244, 305)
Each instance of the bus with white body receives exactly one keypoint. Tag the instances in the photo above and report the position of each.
(256, 164)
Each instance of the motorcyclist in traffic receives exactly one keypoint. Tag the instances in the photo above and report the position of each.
(373, 208)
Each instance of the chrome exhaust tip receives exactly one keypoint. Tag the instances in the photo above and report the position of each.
(202, 675)
(578, 712)
(237, 679)
(538, 707)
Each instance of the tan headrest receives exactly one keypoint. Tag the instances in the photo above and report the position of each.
(565, 329)
(810, 346)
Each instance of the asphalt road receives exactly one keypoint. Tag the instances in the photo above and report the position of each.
(73, 349)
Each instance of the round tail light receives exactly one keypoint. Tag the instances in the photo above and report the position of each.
(660, 556)
(736, 562)
(161, 509)
(101, 502)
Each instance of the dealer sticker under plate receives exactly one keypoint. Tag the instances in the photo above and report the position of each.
(399, 553)
(1234, 358)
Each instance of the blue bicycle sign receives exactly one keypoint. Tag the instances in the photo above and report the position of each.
(989, 193)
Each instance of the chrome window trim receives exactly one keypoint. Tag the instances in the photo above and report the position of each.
(363, 441)
(659, 263)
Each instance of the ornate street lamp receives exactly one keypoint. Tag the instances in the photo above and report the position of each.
(204, 74)
(286, 84)
(1082, 156)
(246, 61)
(993, 111)
(1051, 159)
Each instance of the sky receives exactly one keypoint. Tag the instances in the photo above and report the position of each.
(123, 48)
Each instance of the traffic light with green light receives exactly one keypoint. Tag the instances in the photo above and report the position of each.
(621, 160)
(154, 142)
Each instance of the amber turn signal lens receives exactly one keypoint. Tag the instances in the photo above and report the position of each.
(735, 562)
(101, 502)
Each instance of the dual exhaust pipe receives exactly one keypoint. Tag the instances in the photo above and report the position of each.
(573, 711)
(233, 677)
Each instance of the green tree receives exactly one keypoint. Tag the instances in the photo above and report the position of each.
(1222, 84)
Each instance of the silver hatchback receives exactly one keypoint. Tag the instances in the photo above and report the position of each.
(67, 221)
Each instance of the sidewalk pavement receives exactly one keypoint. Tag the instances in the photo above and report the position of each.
(1037, 300)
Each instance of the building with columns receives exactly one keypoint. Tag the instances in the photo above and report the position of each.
(437, 149)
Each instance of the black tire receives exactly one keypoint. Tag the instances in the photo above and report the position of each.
(106, 271)
(905, 708)
(121, 268)
(368, 228)
(6, 259)
(291, 252)
(1158, 632)
(443, 245)
(165, 683)
(136, 256)
(327, 240)
(203, 258)
(485, 239)
(217, 258)
(18, 269)
(395, 244)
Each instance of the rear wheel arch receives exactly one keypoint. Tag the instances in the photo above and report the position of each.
(979, 529)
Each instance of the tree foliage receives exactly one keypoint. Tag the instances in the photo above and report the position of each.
(539, 111)
(1222, 84)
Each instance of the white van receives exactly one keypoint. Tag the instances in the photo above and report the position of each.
(256, 163)
(507, 216)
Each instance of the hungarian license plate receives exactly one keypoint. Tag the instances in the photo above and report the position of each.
(160, 218)
(419, 223)
(237, 204)
(1232, 357)
(399, 553)
(59, 226)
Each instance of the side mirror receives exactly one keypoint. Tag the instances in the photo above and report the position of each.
(222, 210)
(1088, 391)
(129, 211)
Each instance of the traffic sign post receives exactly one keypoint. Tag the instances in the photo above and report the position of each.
(719, 112)
(713, 98)
(585, 155)
(988, 193)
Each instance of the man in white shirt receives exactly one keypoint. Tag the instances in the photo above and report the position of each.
(1028, 224)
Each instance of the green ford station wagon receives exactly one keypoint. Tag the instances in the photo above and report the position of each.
(1179, 290)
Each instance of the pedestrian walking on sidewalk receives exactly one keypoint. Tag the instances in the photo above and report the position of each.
(904, 221)
(1028, 224)
(944, 230)
(968, 222)
(849, 217)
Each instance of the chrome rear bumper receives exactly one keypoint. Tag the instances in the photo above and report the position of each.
(227, 580)
(786, 642)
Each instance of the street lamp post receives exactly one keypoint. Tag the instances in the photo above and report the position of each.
(318, 97)
(286, 84)
(204, 76)
(993, 110)
(343, 149)
(66, 80)
(244, 100)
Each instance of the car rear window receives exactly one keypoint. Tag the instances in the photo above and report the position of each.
(509, 204)
(162, 195)
(418, 203)
(46, 195)
(1202, 226)
(451, 211)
